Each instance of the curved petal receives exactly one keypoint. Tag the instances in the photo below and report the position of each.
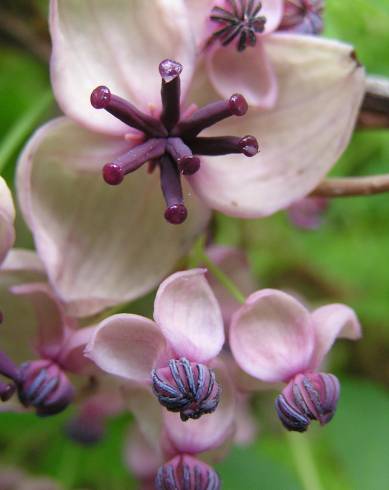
(84, 228)
(140, 457)
(321, 87)
(331, 322)
(271, 336)
(210, 431)
(273, 11)
(126, 345)
(72, 356)
(119, 44)
(249, 73)
(199, 12)
(52, 321)
(7, 216)
(189, 316)
(18, 331)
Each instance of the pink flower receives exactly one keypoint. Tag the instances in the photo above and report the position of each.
(7, 216)
(175, 353)
(303, 16)
(42, 341)
(307, 213)
(274, 338)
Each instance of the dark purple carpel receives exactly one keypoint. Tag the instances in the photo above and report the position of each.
(240, 21)
(184, 472)
(307, 397)
(186, 387)
(171, 141)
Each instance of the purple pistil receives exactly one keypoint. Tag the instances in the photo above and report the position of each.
(171, 142)
(240, 21)
(188, 388)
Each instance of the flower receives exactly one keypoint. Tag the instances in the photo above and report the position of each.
(308, 213)
(48, 344)
(274, 338)
(303, 16)
(173, 354)
(7, 216)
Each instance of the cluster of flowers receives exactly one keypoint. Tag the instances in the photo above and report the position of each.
(99, 246)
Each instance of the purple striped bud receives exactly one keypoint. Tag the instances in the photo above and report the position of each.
(186, 387)
(307, 397)
(186, 473)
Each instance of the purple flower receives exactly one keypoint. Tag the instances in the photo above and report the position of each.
(303, 16)
(274, 338)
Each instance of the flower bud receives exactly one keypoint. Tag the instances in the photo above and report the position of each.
(44, 386)
(186, 473)
(311, 396)
(186, 387)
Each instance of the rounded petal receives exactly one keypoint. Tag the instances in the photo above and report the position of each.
(249, 73)
(271, 336)
(84, 228)
(126, 345)
(321, 86)
(52, 320)
(273, 11)
(331, 322)
(208, 432)
(118, 44)
(72, 356)
(189, 316)
(7, 216)
(18, 332)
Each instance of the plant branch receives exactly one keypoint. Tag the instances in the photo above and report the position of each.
(304, 462)
(352, 186)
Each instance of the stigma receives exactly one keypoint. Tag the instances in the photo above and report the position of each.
(171, 142)
(238, 21)
(188, 388)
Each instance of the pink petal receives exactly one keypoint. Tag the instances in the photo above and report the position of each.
(248, 73)
(7, 216)
(52, 320)
(189, 316)
(210, 431)
(72, 356)
(126, 345)
(141, 458)
(18, 332)
(321, 87)
(233, 262)
(118, 44)
(331, 322)
(271, 336)
(84, 228)
(273, 11)
(199, 13)
(246, 424)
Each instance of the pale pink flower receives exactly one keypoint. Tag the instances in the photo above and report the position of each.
(274, 338)
(7, 216)
(40, 344)
(175, 353)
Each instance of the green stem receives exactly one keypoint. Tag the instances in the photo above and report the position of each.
(304, 461)
(22, 128)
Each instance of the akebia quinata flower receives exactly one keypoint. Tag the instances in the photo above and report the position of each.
(274, 338)
(170, 141)
(303, 16)
(173, 354)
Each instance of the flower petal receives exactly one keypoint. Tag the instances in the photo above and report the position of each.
(51, 318)
(248, 73)
(126, 345)
(189, 316)
(7, 216)
(84, 228)
(72, 356)
(321, 86)
(271, 336)
(210, 431)
(331, 322)
(141, 458)
(273, 11)
(119, 44)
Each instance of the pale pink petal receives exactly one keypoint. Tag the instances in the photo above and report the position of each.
(208, 432)
(7, 216)
(189, 316)
(52, 320)
(18, 332)
(84, 228)
(233, 262)
(141, 458)
(331, 322)
(118, 44)
(273, 11)
(249, 73)
(321, 86)
(126, 345)
(246, 424)
(199, 13)
(72, 356)
(272, 336)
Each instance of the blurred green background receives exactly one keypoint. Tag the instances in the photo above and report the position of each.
(346, 260)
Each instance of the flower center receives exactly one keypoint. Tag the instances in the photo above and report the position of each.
(188, 388)
(238, 20)
(311, 396)
(171, 142)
